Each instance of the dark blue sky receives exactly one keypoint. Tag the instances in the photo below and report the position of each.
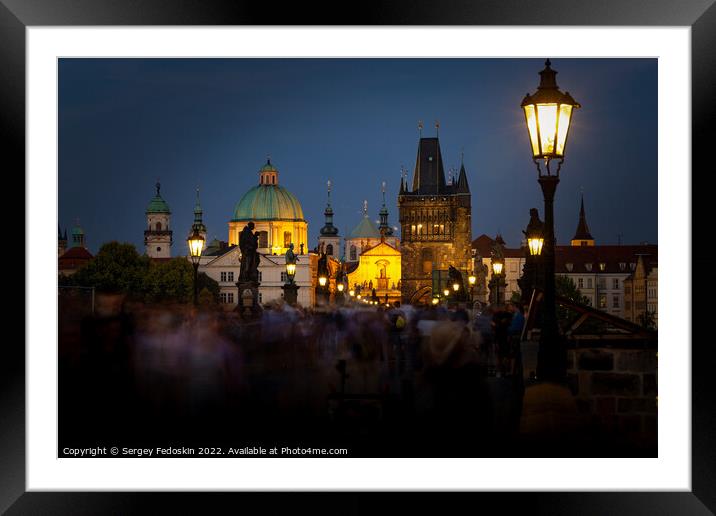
(123, 123)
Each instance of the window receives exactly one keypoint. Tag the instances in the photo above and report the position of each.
(589, 282)
(158, 226)
(632, 266)
(222, 297)
(284, 277)
(569, 266)
(615, 301)
(588, 266)
(159, 249)
(261, 298)
(353, 253)
(602, 300)
(230, 276)
(226, 297)
(580, 282)
(615, 283)
(263, 239)
(426, 257)
(602, 266)
(329, 249)
(286, 238)
(223, 275)
(260, 275)
(602, 283)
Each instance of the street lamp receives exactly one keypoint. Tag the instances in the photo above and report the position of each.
(196, 245)
(498, 264)
(471, 280)
(290, 289)
(534, 234)
(456, 286)
(548, 115)
(322, 281)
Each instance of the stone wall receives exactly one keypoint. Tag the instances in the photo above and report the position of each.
(617, 388)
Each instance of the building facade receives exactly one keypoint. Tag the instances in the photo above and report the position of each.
(378, 268)
(435, 222)
(69, 260)
(641, 293)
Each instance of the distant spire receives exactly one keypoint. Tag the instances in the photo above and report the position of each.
(198, 216)
(384, 227)
(461, 186)
(158, 186)
(582, 232)
(420, 128)
(437, 128)
(328, 228)
(365, 208)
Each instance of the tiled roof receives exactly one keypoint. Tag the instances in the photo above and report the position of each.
(483, 244)
(612, 256)
(76, 253)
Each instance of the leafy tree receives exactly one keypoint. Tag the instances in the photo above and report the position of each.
(205, 297)
(648, 320)
(169, 281)
(204, 282)
(564, 286)
(117, 268)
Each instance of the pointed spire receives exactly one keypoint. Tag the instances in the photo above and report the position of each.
(198, 217)
(328, 228)
(158, 187)
(462, 186)
(582, 232)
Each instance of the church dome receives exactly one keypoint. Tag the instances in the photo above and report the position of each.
(268, 200)
(157, 204)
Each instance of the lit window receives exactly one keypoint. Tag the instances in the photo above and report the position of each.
(602, 300)
(569, 266)
(602, 266)
(588, 266)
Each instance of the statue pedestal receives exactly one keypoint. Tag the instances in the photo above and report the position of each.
(248, 305)
(290, 293)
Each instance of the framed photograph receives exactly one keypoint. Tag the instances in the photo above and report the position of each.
(416, 253)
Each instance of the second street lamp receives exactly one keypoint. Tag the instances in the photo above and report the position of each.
(548, 115)
(196, 246)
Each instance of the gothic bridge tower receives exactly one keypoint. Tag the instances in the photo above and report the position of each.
(435, 221)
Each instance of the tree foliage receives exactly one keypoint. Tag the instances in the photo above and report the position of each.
(565, 287)
(117, 268)
(169, 281)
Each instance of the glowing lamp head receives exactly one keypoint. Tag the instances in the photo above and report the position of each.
(497, 266)
(548, 114)
(196, 246)
(456, 286)
(322, 280)
(340, 287)
(435, 300)
(358, 296)
(291, 271)
(351, 292)
(471, 279)
(534, 233)
(446, 292)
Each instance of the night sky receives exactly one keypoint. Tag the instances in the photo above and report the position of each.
(123, 123)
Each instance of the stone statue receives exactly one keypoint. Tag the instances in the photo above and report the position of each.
(249, 243)
(455, 276)
(290, 255)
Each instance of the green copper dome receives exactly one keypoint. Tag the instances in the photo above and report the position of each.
(157, 204)
(365, 229)
(268, 167)
(268, 202)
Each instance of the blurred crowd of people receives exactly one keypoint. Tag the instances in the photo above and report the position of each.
(431, 368)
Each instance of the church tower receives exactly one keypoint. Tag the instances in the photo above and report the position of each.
(328, 238)
(158, 235)
(582, 237)
(435, 221)
(198, 216)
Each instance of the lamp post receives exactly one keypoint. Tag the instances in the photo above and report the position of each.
(290, 289)
(196, 246)
(471, 280)
(548, 113)
(498, 265)
(534, 235)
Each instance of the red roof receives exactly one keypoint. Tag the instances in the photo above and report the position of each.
(483, 244)
(73, 258)
(612, 256)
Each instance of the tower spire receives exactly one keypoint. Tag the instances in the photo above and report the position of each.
(582, 236)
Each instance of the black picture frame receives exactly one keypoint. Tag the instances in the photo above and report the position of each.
(700, 15)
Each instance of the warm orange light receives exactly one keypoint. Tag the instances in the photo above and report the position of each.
(352, 293)
(497, 267)
(322, 281)
(535, 245)
(435, 300)
(471, 279)
(456, 286)
(446, 292)
(340, 287)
